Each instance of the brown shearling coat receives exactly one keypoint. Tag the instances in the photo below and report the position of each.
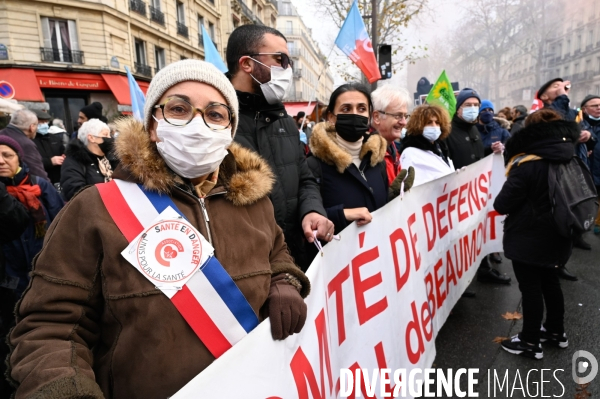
(91, 326)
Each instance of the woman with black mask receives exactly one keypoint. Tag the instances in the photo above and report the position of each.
(347, 161)
(89, 158)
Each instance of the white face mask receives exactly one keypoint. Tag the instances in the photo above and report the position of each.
(403, 133)
(192, 150)
(275, 89)
(432, 133)
(469, 114)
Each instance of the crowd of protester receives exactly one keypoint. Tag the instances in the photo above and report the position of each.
(272, 185)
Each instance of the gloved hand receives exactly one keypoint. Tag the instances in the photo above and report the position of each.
(287, 309)
(394, 189)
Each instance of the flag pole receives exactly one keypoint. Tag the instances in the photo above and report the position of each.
(374, 35)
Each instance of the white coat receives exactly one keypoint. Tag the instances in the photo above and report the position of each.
(428, 166)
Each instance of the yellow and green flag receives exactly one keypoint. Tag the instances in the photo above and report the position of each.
(442, 94)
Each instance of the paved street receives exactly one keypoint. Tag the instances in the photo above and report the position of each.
(466, 340)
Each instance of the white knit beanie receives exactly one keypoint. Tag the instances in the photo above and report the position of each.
(190, 70)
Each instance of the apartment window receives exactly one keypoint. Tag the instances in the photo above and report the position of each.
(211, 30)
(200, 25)
(155, 13)
(289, 27)
(576, 68)
(568, 49)
(182, 29)
(61, 43)
(141, 64)
(254, 7)
(159, 58)
(259, 12)
(579, 42)
(590, 38)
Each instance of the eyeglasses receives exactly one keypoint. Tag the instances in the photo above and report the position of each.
(282, 59)
(593, 106)
(178, 112)
(7, 156)
(398, 117)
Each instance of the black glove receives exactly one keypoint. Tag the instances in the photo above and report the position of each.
(287, 309)
(394, 190)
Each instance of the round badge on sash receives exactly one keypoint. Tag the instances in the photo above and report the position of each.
(169, 251)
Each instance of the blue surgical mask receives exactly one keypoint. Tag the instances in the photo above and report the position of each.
(470, 114)
(42, 128)
(403, 133)
(593, 117)
(432, 133)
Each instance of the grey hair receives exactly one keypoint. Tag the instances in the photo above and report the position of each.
(23, 118)
(92, 127)
(59, 123)
(385, 95)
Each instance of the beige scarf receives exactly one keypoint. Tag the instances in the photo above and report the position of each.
(204, 188)
(105, 169)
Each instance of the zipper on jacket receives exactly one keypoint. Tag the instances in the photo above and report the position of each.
(204, 210)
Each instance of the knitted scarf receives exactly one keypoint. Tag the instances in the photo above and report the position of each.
(28, 194)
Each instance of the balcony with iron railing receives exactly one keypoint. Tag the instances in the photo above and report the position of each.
(157, 15)
(56, 55)
(246, 10)
(142, 69)
(138, 6)
(182, 29)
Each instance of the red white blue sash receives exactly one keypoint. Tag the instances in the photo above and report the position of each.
(208, 299)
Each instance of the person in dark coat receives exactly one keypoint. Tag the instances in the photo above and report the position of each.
(554, 95)
(464, 142)
(50, 147)
(531, 239)
(590, 107)
(92, 111)
(465, 147)
(489, 128)
(260, 70)
(349, 164)
(42, 202)
(519, 115)
(87, 160)
(14, 219)
(22, 129)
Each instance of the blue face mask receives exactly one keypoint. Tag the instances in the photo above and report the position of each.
(486, 117)
(432, 133)
(42, 128)
(469, 114)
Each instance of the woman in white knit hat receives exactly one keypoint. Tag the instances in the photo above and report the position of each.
(118, 305)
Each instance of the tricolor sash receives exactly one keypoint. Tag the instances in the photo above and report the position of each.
(173, 255)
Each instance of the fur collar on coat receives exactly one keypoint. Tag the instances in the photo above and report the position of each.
(323, 145)
(243, 174)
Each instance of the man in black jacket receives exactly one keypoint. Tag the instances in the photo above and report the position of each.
(22, 129)
(519, 114)
(466, 147)
(260, 70)
(50, 146)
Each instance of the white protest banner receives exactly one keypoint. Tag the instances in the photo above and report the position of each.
(379, 297)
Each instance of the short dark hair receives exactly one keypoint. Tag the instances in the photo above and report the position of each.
(543, 115)
(353, 86)
(246, 40)
(521, 109)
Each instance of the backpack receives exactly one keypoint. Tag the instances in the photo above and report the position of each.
(573, 197)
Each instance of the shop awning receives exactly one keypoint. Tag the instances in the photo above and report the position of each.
(25, 82)
(292, 108)
(120, 87)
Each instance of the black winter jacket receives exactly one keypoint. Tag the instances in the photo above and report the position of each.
(14, 219)
(80, 169)
(464, 143)
(343, 185)
(268, 130)
(50, 145)
(530, 233)
(517, 124)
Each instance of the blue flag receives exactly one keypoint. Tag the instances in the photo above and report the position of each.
(211, 54)
(354, 41)
(137, 97)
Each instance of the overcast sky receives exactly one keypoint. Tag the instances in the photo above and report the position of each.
(430, 26)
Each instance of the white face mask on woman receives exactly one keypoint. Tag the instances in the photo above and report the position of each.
(192, 150)
(275, 89)
(432, 133)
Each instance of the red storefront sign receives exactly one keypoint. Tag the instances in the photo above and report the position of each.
(72, 81)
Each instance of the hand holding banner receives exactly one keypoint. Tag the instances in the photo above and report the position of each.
(379, 296)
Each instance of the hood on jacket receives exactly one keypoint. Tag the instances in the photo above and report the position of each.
(504, 123)
(244, 174)
(323, 145)
(79, 152)
(553, 141)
